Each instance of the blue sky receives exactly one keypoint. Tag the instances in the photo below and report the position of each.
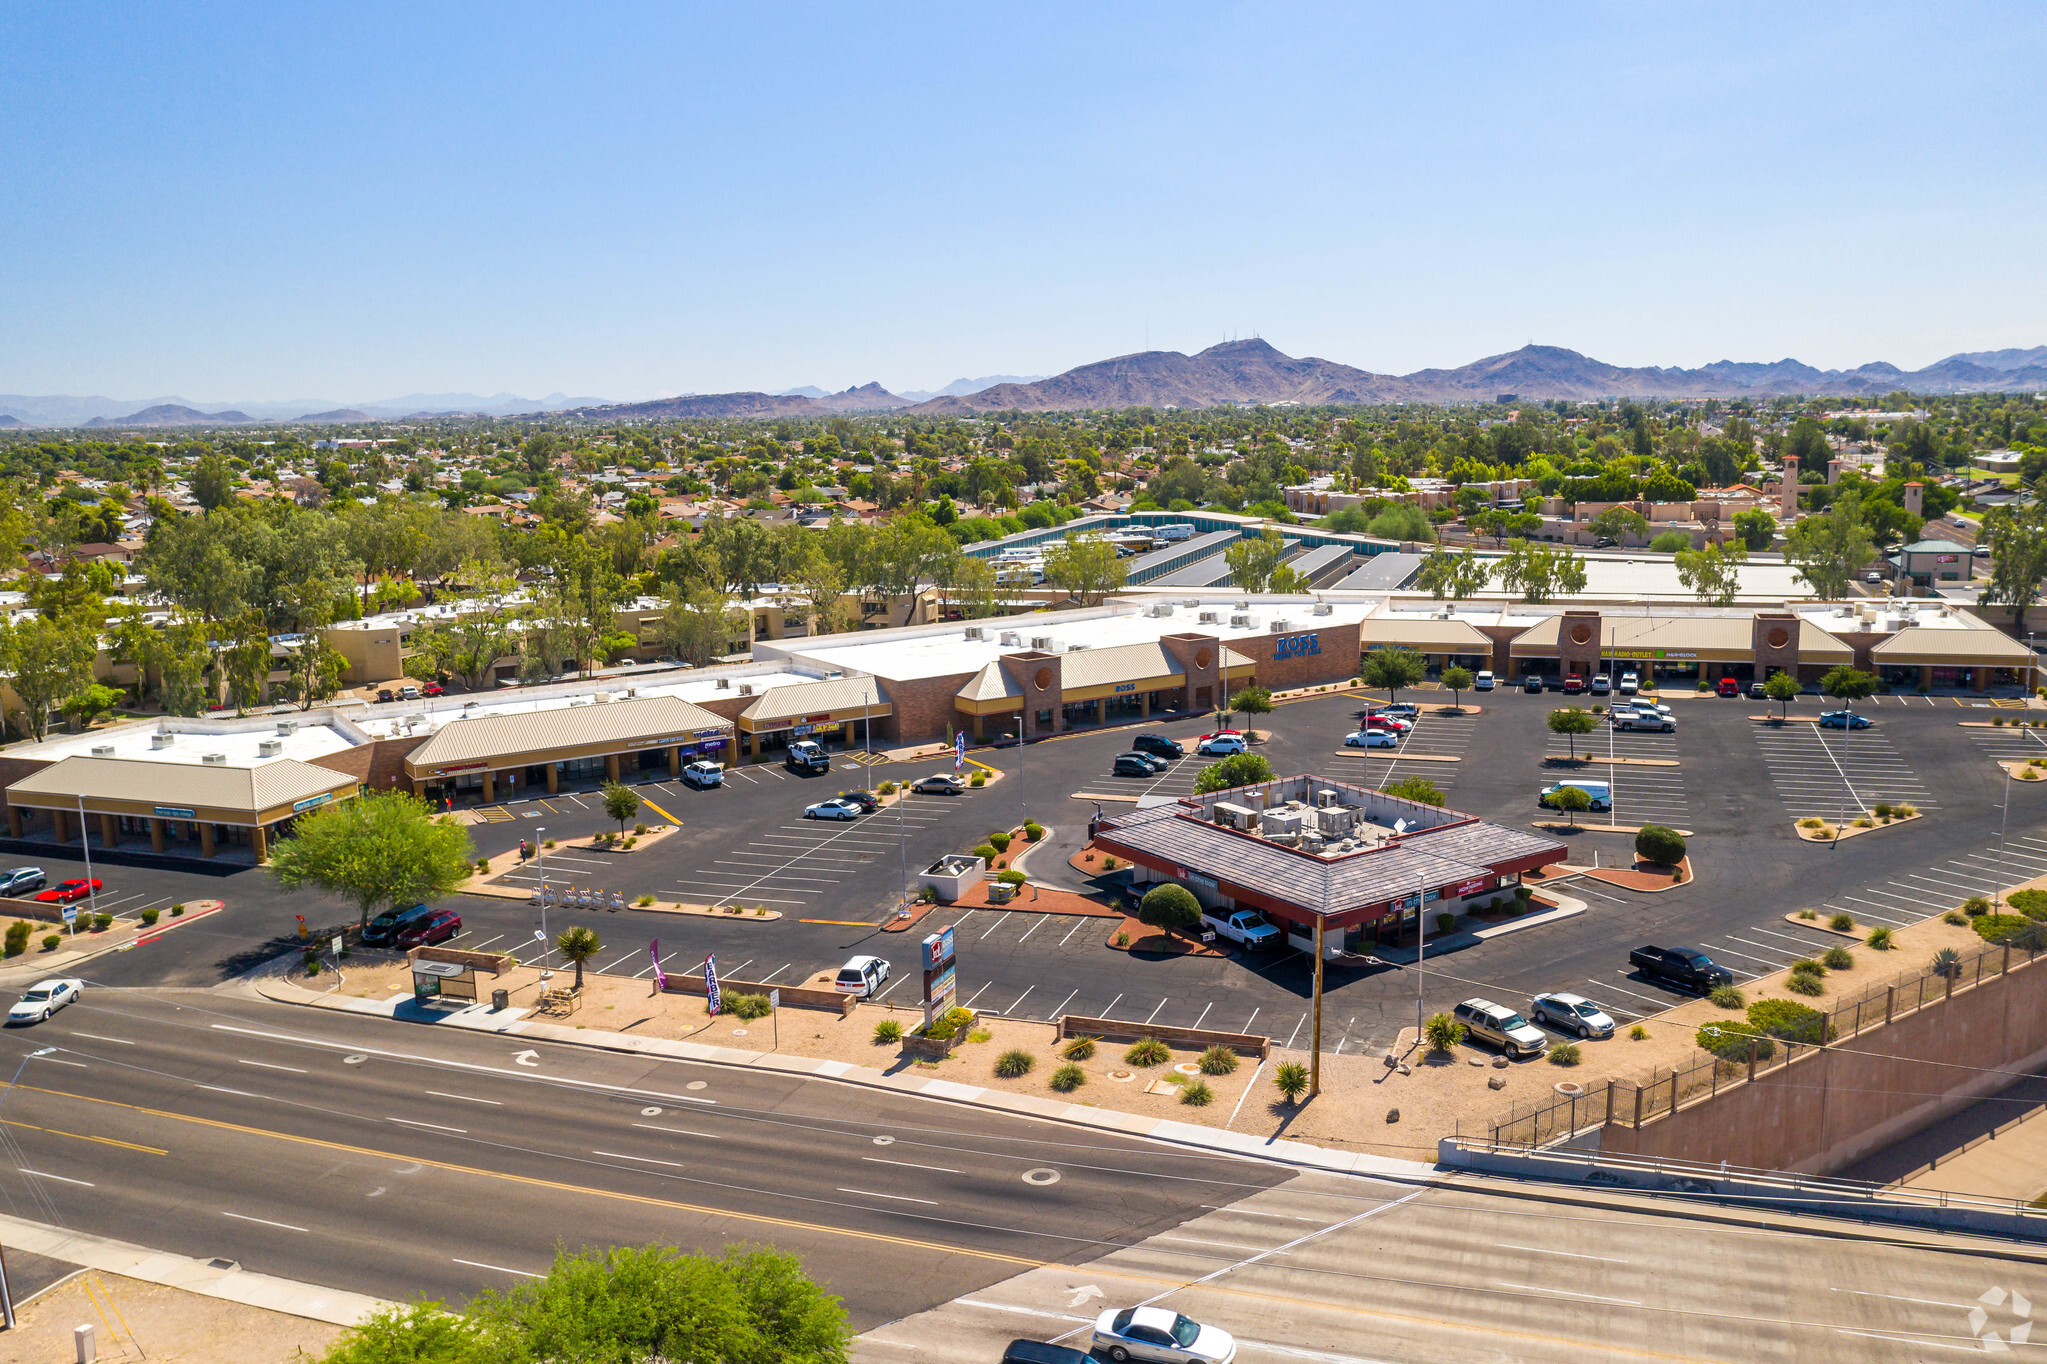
(357, 201)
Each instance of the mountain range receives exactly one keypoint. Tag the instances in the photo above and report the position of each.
(171, 410)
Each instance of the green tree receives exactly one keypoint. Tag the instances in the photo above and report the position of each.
(1239, 769)
(621, 803)
(1619, 524)
(1713, 573)
(90, 702)
(383, 849)
(1171, 907)
(1571, 721)
(1459, 681)
(1828, 548)
(420, 1333)
(484, 630)
(1251, 560)
(1458, 577)
(1402, 521)
(1670, 542)
(1086, 567)
(1782, 688)
(1541, 572)
(1756, 528)
(1420, 790)
(2017, 537)
(578, 945)
(44, 660)
(1393, 668)
(213, 481)
(313, 669)
(1573, 802)
(697, 626)
(1849, 684)
(1659, 844)
(1252, 701)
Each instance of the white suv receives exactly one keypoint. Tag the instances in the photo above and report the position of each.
(702, 774)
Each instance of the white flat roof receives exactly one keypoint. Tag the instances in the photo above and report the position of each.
(396, 718)
(1888, 616)
(944, 652)
(194, 739)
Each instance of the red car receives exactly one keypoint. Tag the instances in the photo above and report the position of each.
(68, 891)
(1392, 723)
(1221, 733)
(436, 927)
(1573, 684)
(431, 689)
(1729, 687)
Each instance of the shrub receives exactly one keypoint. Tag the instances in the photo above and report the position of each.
(1947, 962)
(548, 844)
(1565, 1054)
(2015, 929)
(888, 1030)
(1790, 1020)
(1805, 985)
(1010, 876)
(1808, 914)
(749, 1006)
(17, 938)
(1727, 997)
(1291, 1079)
(1955, 917)
(2031, 903)
(312, 964)
(1975, 905)
(1110, 864)
(149, 917)
(1837, 959)
(1171, 907)
(887, 788)
(1079, 1049)
(948, 1024)
(1122, 940)
(52, 941)
(1014, 1062)
(1825, 835)
(1068, 1078)
(1731, 1039)
(1218, 1060)
(1842, 923)
(1902, 811)
(177, 911)
(985, 851)
(1879, 939)
(1033, 831)
(1445, 922)
(978, 779)
(1000, 840)
(1810, 823)
(1663, 846)
(640, 827)
(102, 922)
(1198, 1094)
(1882, 809)
(482, 865)
(1638, 1033)
(1148, 1051)
(979, 1035)
(1806, 966)
(1442, 1032)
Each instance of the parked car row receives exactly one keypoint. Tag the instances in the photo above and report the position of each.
(34, 881)
(1499, 1026)
(413, 926)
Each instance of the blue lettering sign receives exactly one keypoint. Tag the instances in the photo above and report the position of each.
(1126, 686)
(1296, 646)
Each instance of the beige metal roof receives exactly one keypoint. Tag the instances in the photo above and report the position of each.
(1946, 648)
(1233, 659)
(992, 683)
(1122, 663)
(1426, 633)
(1815, 645)
(815, 698)
(263, 787)
(485, 737)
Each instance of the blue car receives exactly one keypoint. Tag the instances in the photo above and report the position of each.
(1843, 719)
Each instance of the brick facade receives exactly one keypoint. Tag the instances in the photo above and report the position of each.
(1041, 675)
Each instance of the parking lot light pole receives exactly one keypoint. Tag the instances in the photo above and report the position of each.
(85, 842)
(2003, 819)
(540, 856)
(1315, 1058)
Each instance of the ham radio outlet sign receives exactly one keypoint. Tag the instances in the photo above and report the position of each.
(941, 983)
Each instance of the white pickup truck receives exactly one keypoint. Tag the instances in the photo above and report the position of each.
(1245, 927)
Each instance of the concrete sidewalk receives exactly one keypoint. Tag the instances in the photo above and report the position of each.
(512, 1022)
(209, 1278)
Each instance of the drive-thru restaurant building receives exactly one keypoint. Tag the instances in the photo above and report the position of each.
(1305, 850)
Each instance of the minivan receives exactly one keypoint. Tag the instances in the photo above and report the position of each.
(386, 927)
(1599, 791)
(1485, 1021)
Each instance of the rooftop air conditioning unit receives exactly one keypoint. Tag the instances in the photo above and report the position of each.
(1043, 642)
(1326, 798)
(162, 740)
(102, 750)
(1210, 617)
(1275, 823)
(724, 684)
(287, 726)
(214, 759)
(1164, 608)
(1075, 648)
(1239, 620)
(1012, 639)
(270, 748)
(976, 632)
(603, 698)
(631, 692)
(1280, 627)
(1191, 603)
(746, 689)
(1323, 608)
(1236, 816)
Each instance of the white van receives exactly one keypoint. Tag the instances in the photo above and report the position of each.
(1484, 681)
(1599, 791)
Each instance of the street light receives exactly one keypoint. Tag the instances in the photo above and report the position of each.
(540, 857)
(85, 841)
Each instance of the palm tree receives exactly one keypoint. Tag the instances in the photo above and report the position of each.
(579, 944)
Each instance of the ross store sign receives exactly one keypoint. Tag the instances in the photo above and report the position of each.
(1296, 646)
(937, 949)
(1126, 686)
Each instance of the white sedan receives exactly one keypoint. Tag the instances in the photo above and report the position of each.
(835, 808)
(1160, 1333)
(1222, 743)
(44, 998)
(1371, 738)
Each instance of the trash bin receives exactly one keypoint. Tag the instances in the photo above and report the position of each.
(500, 999)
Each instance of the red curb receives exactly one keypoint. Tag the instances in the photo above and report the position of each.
(179, 922)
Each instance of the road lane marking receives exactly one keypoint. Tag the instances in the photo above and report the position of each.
(1225, 1245)
(119, 1041)
(913, 1165)
(899, 1198)
(1561, 1293)
(415, 1122)
(478, 1264)
(238, 1093)
(61, 1179)
(494, 1103)
(281, 1226)
(1925, 1302)
(59, 1061)
(614, 1155)
(1607, 1259)
(296, 1070)
(679, 1131)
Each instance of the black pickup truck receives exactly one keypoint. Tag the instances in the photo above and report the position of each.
(1682, 966)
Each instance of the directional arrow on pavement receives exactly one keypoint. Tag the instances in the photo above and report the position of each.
(528, 1058)
(1083, 1293)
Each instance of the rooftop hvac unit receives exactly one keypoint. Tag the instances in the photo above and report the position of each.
(1075, 648)
(1280, 627)
(1326, 798)
(1164, 608)
(1236, 816)
(1243, 606)
(1210, 617)
(603, 698)
(1012, 639)
(102, 750)
(287, 726)
(1336, 820)
(1323, 608)
(162, 740)
(1191, 603)
(270, 748)
(746, 689)
(214, 759)
(724, 684)
(976, 632)
(631, 692)
(1274, 823)
(1043, 642)
(1240, 621)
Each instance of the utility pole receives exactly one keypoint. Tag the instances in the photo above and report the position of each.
(1421, 956)
(540, 855)
(1315, 1060)
(2003, 819)
(85, 842)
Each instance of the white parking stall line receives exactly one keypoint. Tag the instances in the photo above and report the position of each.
(648, 969)
(1078, 925)
(1247, 1022)
(1204, 1012)
(1042, 920)
(1770, 962)
(1010, 1012)
(1978, 882)
(1661, 1004)
(1111, 1010)
(622, 957)
(776, 972)
(1881, 918)
(1767, 947)
(997, 924)
(969, 1002)
(892, 985)
(1583, 889)
(1063, 1003)
(1155, 1012)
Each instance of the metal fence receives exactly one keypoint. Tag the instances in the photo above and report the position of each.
(1634, 1102)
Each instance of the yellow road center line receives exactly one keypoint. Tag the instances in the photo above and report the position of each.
(81, 1136)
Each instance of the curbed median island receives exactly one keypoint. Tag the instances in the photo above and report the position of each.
(1882, 815)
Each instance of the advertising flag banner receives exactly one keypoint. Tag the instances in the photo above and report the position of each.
(660, 976)
(711, 982)
(959, 750)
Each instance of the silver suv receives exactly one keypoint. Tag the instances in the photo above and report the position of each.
(1486, 1021)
